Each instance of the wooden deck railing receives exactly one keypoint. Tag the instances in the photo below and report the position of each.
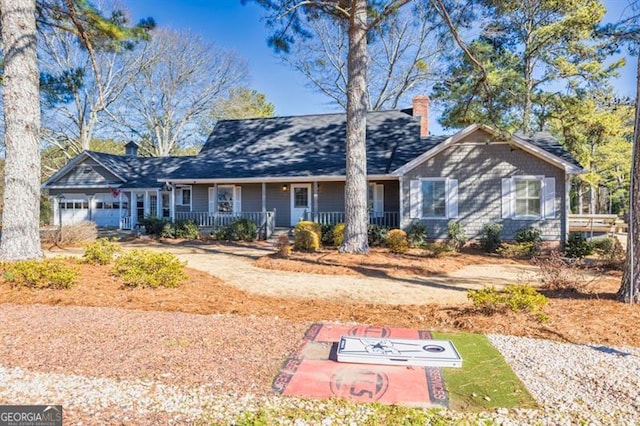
(609, 223)
(386, 219)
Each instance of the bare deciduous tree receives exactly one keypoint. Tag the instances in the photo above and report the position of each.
(179, 78)
(71, 123)
(403, 57)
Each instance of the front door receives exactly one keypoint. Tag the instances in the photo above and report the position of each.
(300, 201)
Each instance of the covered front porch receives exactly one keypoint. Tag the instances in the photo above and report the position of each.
(281, 203)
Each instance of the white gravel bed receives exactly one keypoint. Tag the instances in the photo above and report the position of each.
(595, 383)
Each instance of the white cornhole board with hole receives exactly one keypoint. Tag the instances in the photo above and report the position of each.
(426, 353)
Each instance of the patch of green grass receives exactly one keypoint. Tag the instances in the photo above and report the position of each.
(315, 411)
(485, 380)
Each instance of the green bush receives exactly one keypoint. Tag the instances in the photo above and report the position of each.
(168, 230)
(154, 226)
(437, 249)
(397, 241)
(327, 235)
(186, 229)
(48, 273)
(609, 250)
(514, 297)
(377, 235)
(242, 230)
(577, 246)
(528, 235)
(517, 250)
(457, 236)
(416, 235)
(306, 240)
(147, 268)
(101, 251)
(490, 237)
(338, 234)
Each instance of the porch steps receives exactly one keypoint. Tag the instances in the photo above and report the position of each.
(281, 231)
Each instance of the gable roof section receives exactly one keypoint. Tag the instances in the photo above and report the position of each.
(311, 145)
(541, 145)
(134, 172)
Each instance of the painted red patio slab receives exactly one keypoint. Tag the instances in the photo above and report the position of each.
(313, 372)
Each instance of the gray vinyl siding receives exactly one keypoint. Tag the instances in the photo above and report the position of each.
(251, 197)
(391, 195)
(331, 197)
(479, 169)
(280, 201)
(199, 199)
(88, 173)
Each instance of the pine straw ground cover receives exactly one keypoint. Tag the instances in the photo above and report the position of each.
(378, 262)
(574, 317)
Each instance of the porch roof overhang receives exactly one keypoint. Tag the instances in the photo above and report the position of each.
(287, 179)
(117, 185)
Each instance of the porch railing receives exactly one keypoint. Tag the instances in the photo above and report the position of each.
(265, 221)
(125, 222)
(386, 219)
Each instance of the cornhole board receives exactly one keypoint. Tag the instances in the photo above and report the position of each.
(426, 353)
(312, 370)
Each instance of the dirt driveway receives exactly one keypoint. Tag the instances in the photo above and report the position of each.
(234, 265)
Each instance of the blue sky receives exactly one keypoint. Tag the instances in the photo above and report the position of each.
(232, 25)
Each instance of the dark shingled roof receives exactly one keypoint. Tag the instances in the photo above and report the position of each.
(308, 145)
(546, 141)
(139, 172)
(311, 145)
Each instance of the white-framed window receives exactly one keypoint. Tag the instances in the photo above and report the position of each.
(225, 199)
(528, 197)
(375, 199)
(183, 195)
(434, 198)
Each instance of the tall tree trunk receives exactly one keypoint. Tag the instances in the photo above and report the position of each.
(528, 77)
(356, 216)
(21, 216)
(630, 288)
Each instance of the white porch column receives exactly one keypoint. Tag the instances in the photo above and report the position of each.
(172, 203)
(315, 201)
(56, 210)
(120, 210)
(132, 208)
(400, 193)
(158, 203)
(567, 206)
(264, 197)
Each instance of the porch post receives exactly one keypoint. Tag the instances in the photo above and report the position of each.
(56, 209)
(401, 194)
(264, 197)
(567, 207)
(315, 201)
(120, 210)
(132, 207)
(158, 203)
(172, 203)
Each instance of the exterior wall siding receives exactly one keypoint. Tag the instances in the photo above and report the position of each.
(280, 201)
(479, 169)
(331, 197)
(88, 172)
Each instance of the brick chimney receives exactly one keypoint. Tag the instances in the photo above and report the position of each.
(421, 109)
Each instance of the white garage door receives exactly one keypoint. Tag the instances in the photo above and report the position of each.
(106, 210)
(74, 210)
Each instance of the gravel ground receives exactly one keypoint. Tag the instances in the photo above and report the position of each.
(598, 384)
(126, 367)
